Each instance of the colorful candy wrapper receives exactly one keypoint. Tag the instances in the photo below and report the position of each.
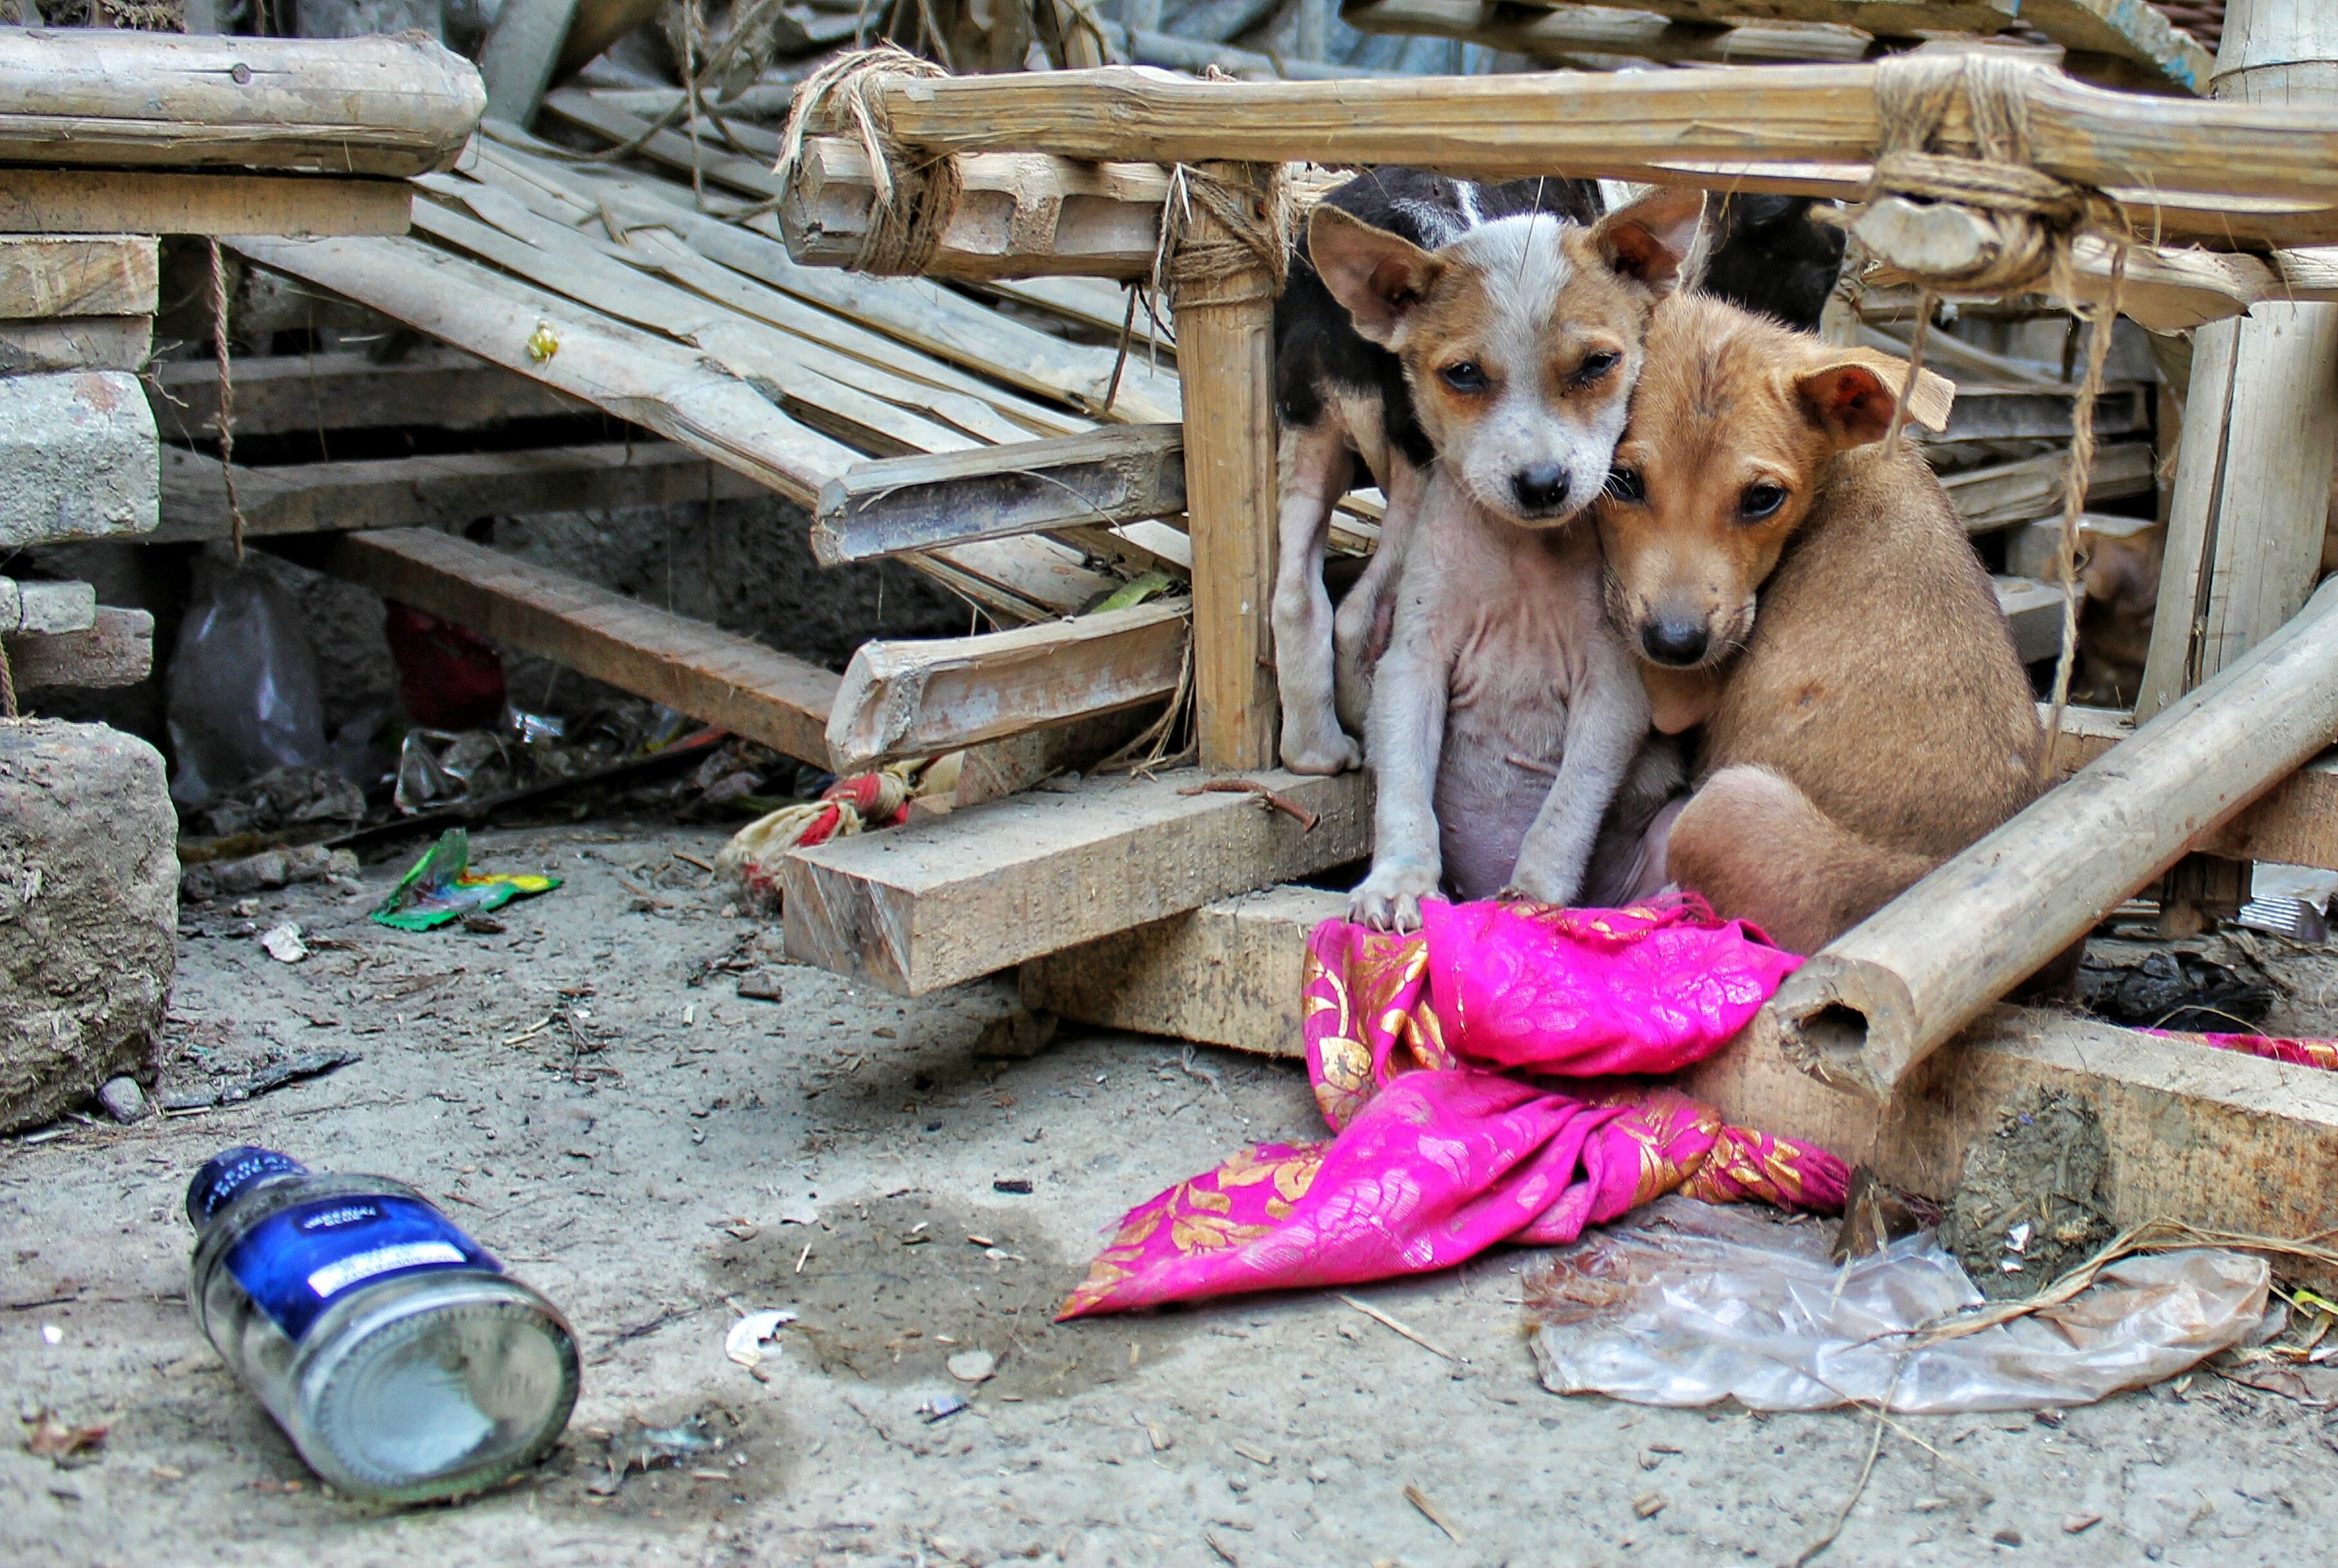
(442, 887)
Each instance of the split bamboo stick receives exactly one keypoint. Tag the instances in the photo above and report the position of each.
(1886, 995)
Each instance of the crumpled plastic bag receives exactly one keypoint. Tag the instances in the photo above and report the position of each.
(1695, 1304)
(243, 694)
(441, 886)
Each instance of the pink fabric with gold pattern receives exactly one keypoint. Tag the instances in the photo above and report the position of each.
(1438, 1157)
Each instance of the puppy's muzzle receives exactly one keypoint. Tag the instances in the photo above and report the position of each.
(1678, 642)
(1541, 489)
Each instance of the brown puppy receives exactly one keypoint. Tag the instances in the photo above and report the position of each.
(1817, 607)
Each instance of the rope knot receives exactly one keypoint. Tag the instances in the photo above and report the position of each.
(916, 193)
(1243, 252)
(1961, 206)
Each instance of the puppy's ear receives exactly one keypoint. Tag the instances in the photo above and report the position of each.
(1379, 275)
(1649, 240)
(1849, 393)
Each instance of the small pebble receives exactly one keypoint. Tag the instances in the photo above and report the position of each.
(973, 1366)
(2008, 1536)
(122, 1099)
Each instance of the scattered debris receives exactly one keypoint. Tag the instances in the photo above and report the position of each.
(1266, 798)
(2032, 1202)
(2163, 988)
(973, 1366)
(279, 867)
(479, 924)
(1258, 1456)
(2297, 919)
(941, 1406)
(744, 1343)
(1415, 1335)
(1436, 1516)
(441, 886)
(1020, 1186)
(1019, 1035)
(1875, 1215)
(283, 944)
(646, 1448)
(316, 1065)
(48, 1436)
(761, 987)
(2079, 1523)
(1649, 1505)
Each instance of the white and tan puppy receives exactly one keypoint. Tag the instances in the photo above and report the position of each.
(1507, 715)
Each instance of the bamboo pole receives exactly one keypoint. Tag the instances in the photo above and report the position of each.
(1887, 993)
(103, 96)
(1225, 343)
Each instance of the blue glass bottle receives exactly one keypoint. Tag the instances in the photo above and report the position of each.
(402, 1361)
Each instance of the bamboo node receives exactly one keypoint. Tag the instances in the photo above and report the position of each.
(916, 191)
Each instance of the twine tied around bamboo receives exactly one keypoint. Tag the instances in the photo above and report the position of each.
(915, 191)
(1244, 253)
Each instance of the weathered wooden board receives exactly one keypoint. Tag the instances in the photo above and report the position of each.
(360, 493)
(279, 394)
(918, 907)
(1122, 475)
(2004, 494)
(84, 275)
(98, 96)
(150, 202)
(711, 675)
(922, 697)
(76, 343)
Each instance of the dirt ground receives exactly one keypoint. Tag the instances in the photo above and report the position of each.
(591, 1098)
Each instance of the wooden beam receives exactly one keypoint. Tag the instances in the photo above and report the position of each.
(1593, 36)
(1802, 127)
(2005, 493)
(922, 697)
(278, 394)
(637, 375)
(1225, 341)
(52, 202)
(100, 96)
(94, 275)
(1018, 215)
(2016, 413)
(76, 343)
(2213, 1137)
(2126, 31)
(1879, 998)
(356, 495)
(1121, 475)
(711, 675)
(929, 905)
(524, 45)
(118, 650)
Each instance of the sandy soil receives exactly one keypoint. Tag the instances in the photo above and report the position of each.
(660, 1148)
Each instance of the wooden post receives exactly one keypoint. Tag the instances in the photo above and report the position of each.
(1225, 354)
(523, 46)
(2254, 459)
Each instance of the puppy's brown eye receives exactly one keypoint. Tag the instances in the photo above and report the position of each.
(1464, 376)
(1625, 484)
(1759, 501)
(1595, 366)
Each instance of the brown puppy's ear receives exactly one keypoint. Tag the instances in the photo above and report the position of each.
(1380, 277)
(1850, 394)
(1650, 239)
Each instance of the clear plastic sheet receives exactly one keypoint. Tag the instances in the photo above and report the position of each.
(1695, 1304)
(243, 693)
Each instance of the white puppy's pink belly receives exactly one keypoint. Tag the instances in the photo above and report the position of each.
(1485, 802)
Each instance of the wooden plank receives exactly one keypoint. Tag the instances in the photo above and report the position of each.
(523, 45)
(929, 905)
(1708, 125)
(1017, 215)
(2016, 412)
(2005, 493)
(1225, 339)
(1594, 36)
(634, 375)
(279, 394)
(117, 650)
(711, 675)
(92, 275)
(351, 495)
(1230, 973)
(918, 698)
(103, 96)
(2125, 31)
(599, 24)
(2213, 1137)
(111, 201)
(1122, 475)
(76, 343)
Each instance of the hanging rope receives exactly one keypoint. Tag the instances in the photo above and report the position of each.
(2074, 503)
(226, 400)
(915, 192)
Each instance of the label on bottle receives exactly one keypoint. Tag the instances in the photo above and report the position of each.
(294, 1263)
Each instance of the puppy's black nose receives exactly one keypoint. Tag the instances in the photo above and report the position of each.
(1540, 488)
(1673, 642)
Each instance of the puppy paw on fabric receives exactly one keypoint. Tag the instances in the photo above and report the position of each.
(1390, 898)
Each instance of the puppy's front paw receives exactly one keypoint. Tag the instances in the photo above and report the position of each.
(1390, 898)
(1336, 752)
(1530, 887)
